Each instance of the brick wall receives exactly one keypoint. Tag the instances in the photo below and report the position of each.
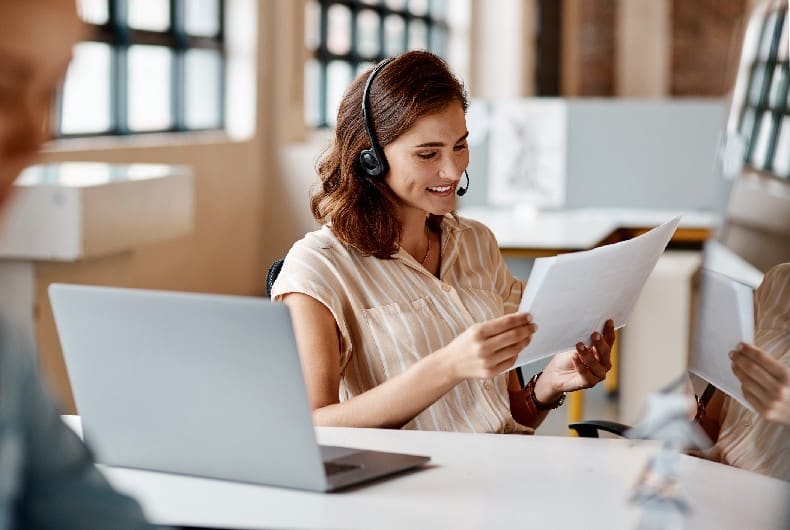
(597, 47)
(706, 37)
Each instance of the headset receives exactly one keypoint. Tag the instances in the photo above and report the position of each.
(372, 162)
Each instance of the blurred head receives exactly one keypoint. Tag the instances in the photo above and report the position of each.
(36, 37)
(414, 100)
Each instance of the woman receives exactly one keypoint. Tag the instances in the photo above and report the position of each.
(404, 314)
(757, 440)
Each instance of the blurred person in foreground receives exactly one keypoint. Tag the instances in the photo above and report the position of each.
(47, 476)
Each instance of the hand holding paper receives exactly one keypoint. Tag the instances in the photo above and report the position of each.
(725, 317)
(583, 368)
(570, 296)
(765, 382)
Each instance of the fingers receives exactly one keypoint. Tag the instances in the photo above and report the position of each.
(588, 377)
(750, 357)
(608, 332)
(495, 344)
(589, 358)
(752, 375)
(505, 323)
(765, 382)
(756, 369)
(757, 396)
(505, 364)
(509, 352)
(511, 337)
(775, 409)
(603, 349)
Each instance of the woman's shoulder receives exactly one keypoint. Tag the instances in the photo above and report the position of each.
(318, 249)
(315, 265)
(317, 238)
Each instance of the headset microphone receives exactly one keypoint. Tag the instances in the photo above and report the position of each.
(462, 191)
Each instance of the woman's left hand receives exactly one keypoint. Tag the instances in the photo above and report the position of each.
(584, 367)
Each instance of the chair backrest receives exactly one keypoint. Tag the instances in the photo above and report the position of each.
(271, 276)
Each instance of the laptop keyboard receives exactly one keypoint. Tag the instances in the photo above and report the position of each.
(333, 468)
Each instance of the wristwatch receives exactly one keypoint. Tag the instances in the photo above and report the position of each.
(538, 405)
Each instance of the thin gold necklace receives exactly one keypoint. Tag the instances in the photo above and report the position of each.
(427, 250)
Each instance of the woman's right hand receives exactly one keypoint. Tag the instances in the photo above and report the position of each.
(765, 382)
(489, 348)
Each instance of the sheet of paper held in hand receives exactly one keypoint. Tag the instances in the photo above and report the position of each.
(572, 295)
(725, 317)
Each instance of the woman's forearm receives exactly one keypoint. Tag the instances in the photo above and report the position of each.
(395, 402)
(522, 408)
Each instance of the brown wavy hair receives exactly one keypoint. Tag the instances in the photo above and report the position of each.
(363, 211)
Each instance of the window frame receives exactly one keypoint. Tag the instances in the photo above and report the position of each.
(324, 56)
(120, 37)
(780, 113)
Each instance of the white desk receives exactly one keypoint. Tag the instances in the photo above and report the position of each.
(522, 232)
(473, 481)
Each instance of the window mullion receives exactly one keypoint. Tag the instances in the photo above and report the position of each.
(178, 74)
(322, 56)
(119, 74)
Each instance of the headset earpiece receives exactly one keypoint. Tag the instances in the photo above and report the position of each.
(372, 162)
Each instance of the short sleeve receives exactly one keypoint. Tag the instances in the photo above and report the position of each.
(310, 269)
(506, 285)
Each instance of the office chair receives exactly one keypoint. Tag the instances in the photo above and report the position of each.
(591, 428)
(271, 276)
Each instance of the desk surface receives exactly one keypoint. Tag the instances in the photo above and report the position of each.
(473, 481)
(580, 229)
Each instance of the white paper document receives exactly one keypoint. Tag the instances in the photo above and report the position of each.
(572, 295)
(725, 317)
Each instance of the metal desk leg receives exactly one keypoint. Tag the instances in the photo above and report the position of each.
(612, 381)
(575, 409)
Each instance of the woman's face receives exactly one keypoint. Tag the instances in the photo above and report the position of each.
(427, 161)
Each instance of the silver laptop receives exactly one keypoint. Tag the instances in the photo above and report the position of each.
(198, 384)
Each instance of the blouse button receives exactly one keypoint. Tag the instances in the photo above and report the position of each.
(487, 385)
(446, 288)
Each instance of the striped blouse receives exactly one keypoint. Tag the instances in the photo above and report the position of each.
(746, 439)
(392, 313)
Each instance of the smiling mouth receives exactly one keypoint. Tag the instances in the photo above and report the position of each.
(441, 189)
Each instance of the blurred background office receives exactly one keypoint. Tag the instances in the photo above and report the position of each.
(240, 96)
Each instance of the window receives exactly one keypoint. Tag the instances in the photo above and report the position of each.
(764, 101)
(346, 37)
(146, 66)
